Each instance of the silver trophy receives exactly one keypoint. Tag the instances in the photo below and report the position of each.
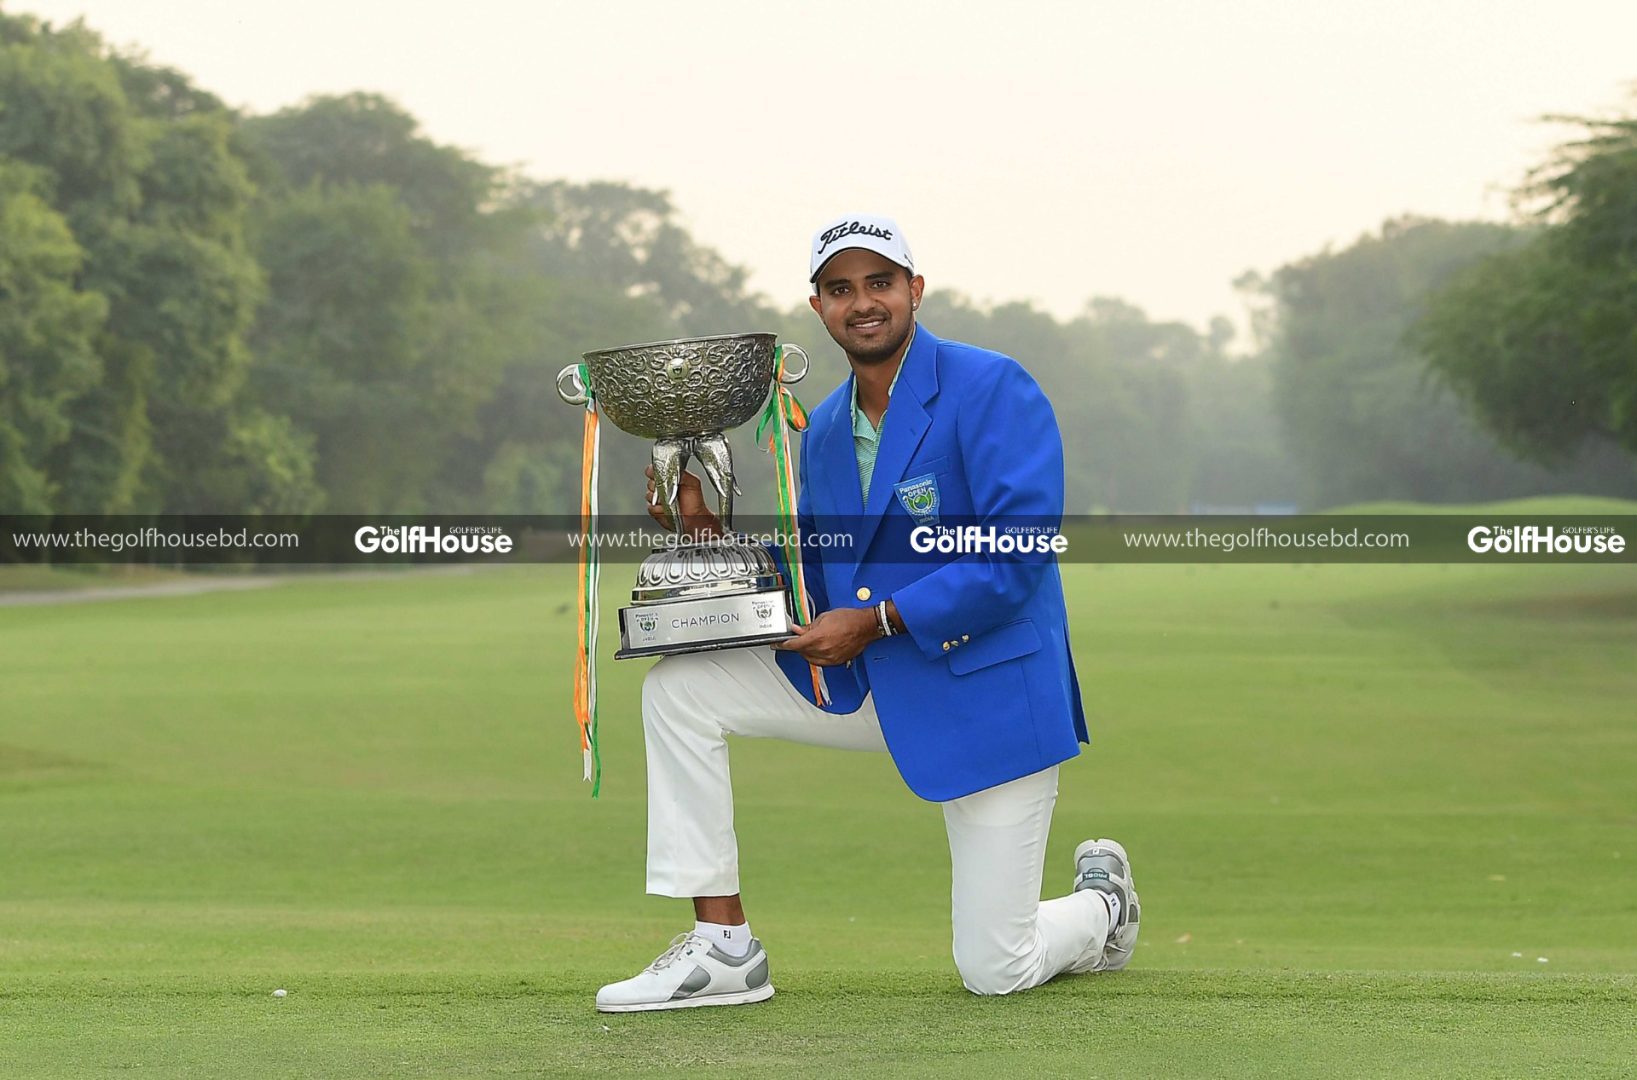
(692, 596)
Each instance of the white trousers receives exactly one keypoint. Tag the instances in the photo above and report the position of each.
(1005, 938)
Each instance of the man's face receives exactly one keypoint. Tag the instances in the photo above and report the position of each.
(867, 303)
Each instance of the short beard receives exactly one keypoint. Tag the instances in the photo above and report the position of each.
(884, 352)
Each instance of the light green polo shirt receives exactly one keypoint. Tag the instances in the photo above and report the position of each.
(866, 438)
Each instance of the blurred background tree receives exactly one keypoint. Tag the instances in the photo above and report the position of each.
(1352, 391)
(48, 332)
(142, 170)
(1542, 338)
(323, 309)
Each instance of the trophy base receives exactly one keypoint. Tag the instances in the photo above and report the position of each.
(670, 627)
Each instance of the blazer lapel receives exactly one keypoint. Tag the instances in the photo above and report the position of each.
(902, 428)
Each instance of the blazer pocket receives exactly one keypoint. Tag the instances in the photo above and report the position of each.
(935, 469)
(1008, 641)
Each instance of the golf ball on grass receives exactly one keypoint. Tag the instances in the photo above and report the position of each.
(280, 992)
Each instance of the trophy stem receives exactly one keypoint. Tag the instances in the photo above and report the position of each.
(670, 458)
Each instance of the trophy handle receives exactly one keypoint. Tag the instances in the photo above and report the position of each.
(580, 395)
(794, 376)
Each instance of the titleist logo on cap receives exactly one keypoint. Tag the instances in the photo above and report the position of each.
(872, 232)
(851, 228)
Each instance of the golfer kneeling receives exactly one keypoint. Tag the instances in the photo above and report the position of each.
(957, 663)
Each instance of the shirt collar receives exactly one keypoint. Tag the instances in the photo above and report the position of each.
(861, 424)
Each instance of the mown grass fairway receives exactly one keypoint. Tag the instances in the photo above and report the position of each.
(1361, 802)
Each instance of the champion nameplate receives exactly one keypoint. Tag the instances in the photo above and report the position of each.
(694, 622)
(706, 622)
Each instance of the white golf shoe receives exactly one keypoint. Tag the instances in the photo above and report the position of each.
(1104, 866)
(691, 973)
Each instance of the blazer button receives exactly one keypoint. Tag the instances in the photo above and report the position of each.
(863, 592)
(965, 637)
(946, 646)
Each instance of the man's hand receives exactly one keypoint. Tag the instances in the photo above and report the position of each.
(835, 637)
(697, 519)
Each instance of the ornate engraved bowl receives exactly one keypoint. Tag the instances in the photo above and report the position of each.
(700, 570)
(689, 386)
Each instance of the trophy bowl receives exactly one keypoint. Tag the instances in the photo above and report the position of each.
(669, 389)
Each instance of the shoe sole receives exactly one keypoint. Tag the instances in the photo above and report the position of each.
(743, 997)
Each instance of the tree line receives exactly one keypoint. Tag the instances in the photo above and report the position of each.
(322, 310)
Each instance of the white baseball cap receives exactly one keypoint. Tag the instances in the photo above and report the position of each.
(872, 232)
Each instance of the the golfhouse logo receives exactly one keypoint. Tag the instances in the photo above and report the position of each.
(420, 540)
(1545, 540)
(763, 609)
(647, 623)
(985, 539)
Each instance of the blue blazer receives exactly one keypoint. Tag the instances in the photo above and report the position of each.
(982, 689)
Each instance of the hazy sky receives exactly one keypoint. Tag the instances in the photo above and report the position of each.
(1044, 151)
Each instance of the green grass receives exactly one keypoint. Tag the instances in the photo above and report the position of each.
(1352, 793)
(1543, 505)
(27, 577)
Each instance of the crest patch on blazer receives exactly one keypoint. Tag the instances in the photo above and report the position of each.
(919, 496)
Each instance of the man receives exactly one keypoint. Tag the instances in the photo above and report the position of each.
(958, 666)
